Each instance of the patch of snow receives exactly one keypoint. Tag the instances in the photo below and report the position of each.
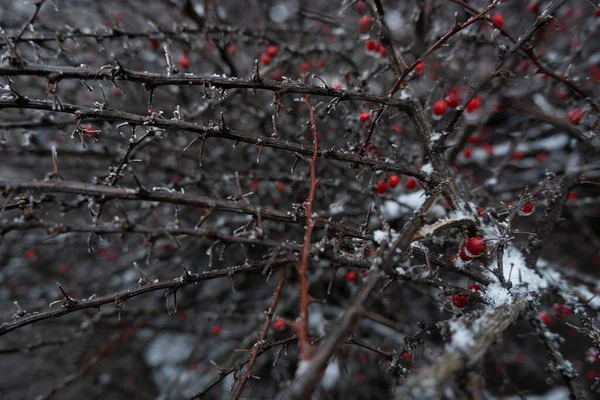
(302, 367)
(170, 348)
(496, 295)
(331, 376)
(512, 256)
(427, 168)
(413, 200)
(462, 336)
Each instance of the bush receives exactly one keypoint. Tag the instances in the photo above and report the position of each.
(286, 199)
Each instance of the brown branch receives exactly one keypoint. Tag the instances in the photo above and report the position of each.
(429, 382)
(261, 341)
(173, 198)
(153, 80)
(541, 21)
(529, 51)
(304, 385)
(120, 297)
(213, 131)
(305, 350)
(549, 219)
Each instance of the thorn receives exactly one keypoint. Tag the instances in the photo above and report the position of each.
(143, 279)
(141, 189)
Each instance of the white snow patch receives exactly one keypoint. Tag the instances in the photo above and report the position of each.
(332, 375)
(585, 293)
(462, 337)
(382, 237)
(302, 367)
(427, 168)
(520, 272)
(497, 296)
(412, 200)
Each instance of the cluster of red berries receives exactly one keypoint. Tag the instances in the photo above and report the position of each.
(474, 247)
(561, 311)
(306, 66)
(269, 54)
(475, 287)
(393, 181)
(376, 47)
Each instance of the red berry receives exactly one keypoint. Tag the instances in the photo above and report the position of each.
(31, 255)
(474, 105)
(398, 128)
(534, 7)
(572, 196)
(474, 139)
(464, 256)
(407, 357)
(272, 51)
(591, 375)
(281, 187)
(488, 148)
(480, 212)
(420, 68)
(112, 256)
(90, 131)
(595, 72)
(351, 276)
(155, 44)
(382, 51)
(439, 107)
(459, 301)
(184, 61)
(498, 19)
(411, 183)
(541, 157)
(371, 45)
(476, 246)
(265, 59)
(304, 66)
(517, 155)
(364, 117)
(382, 187)
(545, 318)
(468, 153)
(361, 7)
(337, 86)
(365, 24)
(232, 49)
(452, 100)
(279, 325)
(321, 64)
(63, 269)
(394, 180)
(527, 208)
(216, 330)
(118, 92)
(475, 287)
(576, 116)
